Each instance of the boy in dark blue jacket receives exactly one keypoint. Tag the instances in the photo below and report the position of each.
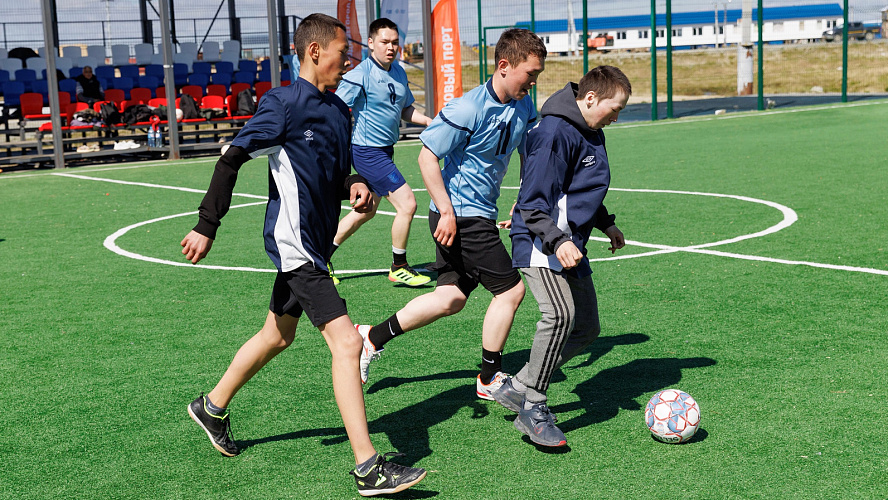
(563, 184)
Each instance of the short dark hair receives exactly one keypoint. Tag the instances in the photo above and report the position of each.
(516, 44)
(319, 28)
(381, 23)
(605, 81)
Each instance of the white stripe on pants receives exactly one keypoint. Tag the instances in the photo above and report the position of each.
(568, 325)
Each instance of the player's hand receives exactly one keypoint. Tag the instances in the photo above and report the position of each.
(196, 246)
(616, 237)
(507, 224)
(568, 255)
(446, 230)
(360, 198)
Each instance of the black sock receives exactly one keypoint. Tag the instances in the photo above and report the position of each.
(491, 362)
(399, 259)
(335, 247)
(213, 409)
(385, 331)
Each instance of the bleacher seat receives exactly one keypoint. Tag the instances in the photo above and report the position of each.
(224, 67)
(157, 58)
(41, 87)
(116, 96)
(125, 84)
(180, 74)
(72, 52)
(144, 53)
(120, 54)
(231, 51)
(212, 102)
(12, 65)
(71, 109)
(4, 76)
(129, 71)
(248, 65)
(237, 88)
(149, 82)
(261, 88)
(37, 64)
(96, 53)
(199, 79)
(92, 62)
(244, 77)
(155, 70)
(202, 67)
(69, 86)
(3, 53)
(141, 94)
(64, 64)
(32, 106)
(189, 48)
(157, 101)
(194, 91)
(75, 72)
(210, 51)
(26, 76)
(12, 91)
(221, 79)
(160, 92)
(184, 58)
(106, 72)
(216, 89)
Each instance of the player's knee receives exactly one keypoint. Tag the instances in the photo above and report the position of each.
(347, 345)
(453, 305)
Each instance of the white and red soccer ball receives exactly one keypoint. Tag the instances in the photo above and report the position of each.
(672, 416)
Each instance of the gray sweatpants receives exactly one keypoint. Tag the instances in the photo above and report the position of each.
(568, 325)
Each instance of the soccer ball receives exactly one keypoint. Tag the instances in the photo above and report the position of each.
(672, 416)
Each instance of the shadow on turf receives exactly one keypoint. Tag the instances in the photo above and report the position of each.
(423, 269)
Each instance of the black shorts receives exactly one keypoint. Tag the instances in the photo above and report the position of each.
(308, 289)
(476, 256)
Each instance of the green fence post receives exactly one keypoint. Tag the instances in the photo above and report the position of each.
(668, 58)
(761, 58)
(654, 60)
(482, 64)
(585, 36)
(845, 52)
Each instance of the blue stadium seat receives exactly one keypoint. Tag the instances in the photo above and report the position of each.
(202, 67)
(12, 92)
(4, 76)
(149, 82)
(106, 72)
(180, 74)
(125, 84)
(247, 65)
(27, 77)
(224, 67)
(199, 79)
(75, 72)
(69, 86)
(155, 70)
(129, 71)
(244, 77)
(221, 79)
(41, 87)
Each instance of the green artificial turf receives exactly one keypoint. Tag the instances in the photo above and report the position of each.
(100, 353)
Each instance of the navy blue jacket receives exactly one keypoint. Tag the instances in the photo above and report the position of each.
(563, 184)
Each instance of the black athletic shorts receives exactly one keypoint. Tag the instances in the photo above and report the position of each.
(308, 289)
(476, 256)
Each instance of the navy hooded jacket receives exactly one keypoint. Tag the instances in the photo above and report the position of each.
(564, 180)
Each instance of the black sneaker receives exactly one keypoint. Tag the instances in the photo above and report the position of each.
(386, 477)
(217, 428)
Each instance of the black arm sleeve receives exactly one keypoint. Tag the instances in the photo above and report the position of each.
(217, 201)
(603, 220)
(351, 180)
(542, 226)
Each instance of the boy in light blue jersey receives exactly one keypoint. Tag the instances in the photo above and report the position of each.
(378, 94)
(476, 135)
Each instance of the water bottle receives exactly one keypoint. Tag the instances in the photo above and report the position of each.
(151, 142)
(158, 138)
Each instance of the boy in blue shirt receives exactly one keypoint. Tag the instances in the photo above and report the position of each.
(304, 129)
(563, 184)
(476, 135)
(378, 94)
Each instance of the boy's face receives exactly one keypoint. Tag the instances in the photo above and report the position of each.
(384, 46)
(333, 60)
(600, 113)
(518, 80)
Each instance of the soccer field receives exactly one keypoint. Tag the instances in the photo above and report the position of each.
(755, 278)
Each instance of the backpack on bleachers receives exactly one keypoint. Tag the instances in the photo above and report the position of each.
(109, 113)
(137, 113)
(189, 107)
(246, 104)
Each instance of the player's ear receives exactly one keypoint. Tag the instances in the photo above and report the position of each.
(313, 51)
(589, 98)
(502, 65)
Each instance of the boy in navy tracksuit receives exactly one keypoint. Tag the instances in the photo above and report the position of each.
(563, 184)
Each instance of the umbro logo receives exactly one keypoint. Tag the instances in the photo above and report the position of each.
(309, 135)
(589, 160)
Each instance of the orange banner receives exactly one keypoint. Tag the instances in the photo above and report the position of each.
(446, 53)
(348, 14)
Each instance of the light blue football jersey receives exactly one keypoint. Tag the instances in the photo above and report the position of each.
(376, 97)
(476, 135)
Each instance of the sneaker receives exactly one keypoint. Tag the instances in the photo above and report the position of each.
(84, 149)
(332, 273)
(94, 148)
(217, 428)
(119, 146)
(408, 276)
(385, 477)
(368, 353)
(508, 396)
(538, 423)
(485, 391)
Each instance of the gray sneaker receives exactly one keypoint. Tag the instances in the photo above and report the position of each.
(538, 424)
(508, 396)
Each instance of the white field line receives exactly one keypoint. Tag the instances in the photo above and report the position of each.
(789, 218)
